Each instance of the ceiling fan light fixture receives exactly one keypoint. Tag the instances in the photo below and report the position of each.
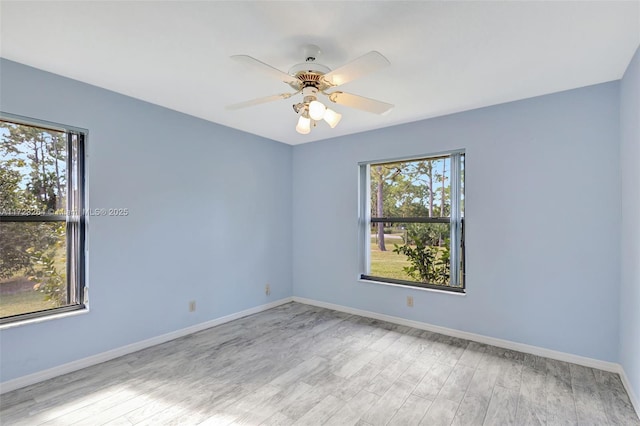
(304, 125)
(317, 110)
(312, 79)
(299, 108)
(331, 117)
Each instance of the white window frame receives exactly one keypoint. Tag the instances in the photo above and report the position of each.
(456, 220)
(75, 219)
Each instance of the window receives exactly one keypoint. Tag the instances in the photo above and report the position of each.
(412, 222)
(41, 218)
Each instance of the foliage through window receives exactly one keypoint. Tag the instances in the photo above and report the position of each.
(412, 222)
(41, 219)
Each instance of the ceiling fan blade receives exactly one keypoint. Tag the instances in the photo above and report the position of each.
(360, 102)
(365, 64)
(259, 101)
(266, 68)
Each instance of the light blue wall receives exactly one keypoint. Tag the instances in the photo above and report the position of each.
(210, 214)
(630, 165)
(542, 221)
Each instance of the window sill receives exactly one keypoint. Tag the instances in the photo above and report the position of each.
(409, 287)
(60, 315)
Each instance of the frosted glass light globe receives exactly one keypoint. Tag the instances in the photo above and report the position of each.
(332, 117)
(304, 125)
(316, 110)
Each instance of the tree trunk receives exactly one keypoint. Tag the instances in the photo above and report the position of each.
(36, 168)
(380, 209)
(444, 171)
(45, 189)
(430, 174)
(58, 184)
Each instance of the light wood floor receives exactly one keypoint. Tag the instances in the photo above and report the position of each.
(302, 365)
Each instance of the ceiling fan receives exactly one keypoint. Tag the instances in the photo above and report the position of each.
(313, 79)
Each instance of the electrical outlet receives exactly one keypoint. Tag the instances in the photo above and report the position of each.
(410, 301)
(267, 289)
(192, 306)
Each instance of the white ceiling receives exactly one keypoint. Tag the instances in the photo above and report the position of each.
(445, 56)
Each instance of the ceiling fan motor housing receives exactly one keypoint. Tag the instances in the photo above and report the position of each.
(309, 93)
(309, 77)
(310, 73)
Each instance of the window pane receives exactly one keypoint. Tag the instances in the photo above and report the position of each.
(40, 262)
(417, 252)
(32, 267)
(419, 188)
(33, 164)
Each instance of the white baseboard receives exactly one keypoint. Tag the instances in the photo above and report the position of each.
(632, 395)
(50, 373)
(507, 344)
